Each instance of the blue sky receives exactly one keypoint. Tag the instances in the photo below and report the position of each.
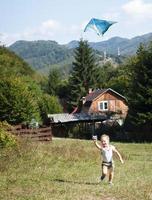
(64, 20)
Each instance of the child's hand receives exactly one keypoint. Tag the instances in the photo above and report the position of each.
(94, 137)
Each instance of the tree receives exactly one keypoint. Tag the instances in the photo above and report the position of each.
(84, 73)
(49, 105)
(10, 63)
(105, 74)
(140, 94)
(121, 78)
(18, 100)
(53, 81)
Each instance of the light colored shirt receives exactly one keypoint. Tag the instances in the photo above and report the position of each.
(107, 153)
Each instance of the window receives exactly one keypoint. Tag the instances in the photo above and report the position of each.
(103, 105)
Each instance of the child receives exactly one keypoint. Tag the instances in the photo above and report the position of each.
(107, 154)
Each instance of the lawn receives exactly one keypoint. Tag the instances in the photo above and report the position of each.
(70, 170)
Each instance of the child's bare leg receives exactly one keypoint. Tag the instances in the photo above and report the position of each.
(111, 175)
(104, 171)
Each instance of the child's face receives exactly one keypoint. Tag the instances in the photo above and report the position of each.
(104, 142)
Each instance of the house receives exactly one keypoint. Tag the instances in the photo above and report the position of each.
(98, 107)
(105, 101)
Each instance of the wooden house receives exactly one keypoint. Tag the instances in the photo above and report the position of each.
(105, 101)
(99, 107)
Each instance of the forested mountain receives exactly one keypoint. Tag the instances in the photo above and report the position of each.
(43, 55)
(126, 46)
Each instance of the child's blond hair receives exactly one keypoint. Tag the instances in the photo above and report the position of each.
(105, 136)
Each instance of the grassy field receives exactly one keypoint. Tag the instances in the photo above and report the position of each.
(70, 170)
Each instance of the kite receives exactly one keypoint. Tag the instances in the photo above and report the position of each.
(99, 26)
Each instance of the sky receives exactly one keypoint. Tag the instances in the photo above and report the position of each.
(65, 20)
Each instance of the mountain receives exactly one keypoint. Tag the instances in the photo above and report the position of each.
(111, 46)
(42, 55)
(73, 44)
(126, 46)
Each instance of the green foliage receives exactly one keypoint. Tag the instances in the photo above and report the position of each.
(140, 93)
(40, 54)
(63, 89)
(4, 125)
(64, 67)
(6, 139)
(49, 105)
(21, 91)
(84, 73)
(12, 64)
(53, 81)
(18, 100)
(120, 80)
(105, 74)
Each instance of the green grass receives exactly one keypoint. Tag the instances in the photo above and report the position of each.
(70, 170)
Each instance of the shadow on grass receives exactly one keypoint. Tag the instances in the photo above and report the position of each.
(75, 182)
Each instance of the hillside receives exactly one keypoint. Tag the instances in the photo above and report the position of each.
(126, 46)
(10, 63)
(43, 55)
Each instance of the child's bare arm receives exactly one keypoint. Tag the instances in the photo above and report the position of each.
(96, 144)
(119, 155)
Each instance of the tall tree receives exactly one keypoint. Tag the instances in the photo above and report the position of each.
(53, 81)
(119, 79)
(84, 73)
(106, 73)
(140, 95)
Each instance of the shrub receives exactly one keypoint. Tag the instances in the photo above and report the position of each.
(6, 138)
(18, 100)
(49, 105)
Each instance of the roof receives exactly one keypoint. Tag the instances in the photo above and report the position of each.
(76, 117)
(93, 95)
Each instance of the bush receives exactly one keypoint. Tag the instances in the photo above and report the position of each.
(49, 105)
(6, 139)
(18, 100)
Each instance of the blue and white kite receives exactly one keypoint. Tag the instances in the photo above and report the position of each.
(99, 26)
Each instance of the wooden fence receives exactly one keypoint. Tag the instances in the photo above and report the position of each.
(36, 134)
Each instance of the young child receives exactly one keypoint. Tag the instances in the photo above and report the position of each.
(107, 151)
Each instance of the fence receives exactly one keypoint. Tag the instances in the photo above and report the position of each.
(36, 134)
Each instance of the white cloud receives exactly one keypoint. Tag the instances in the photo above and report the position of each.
(138, 9)
(50, 24)
(112, 16)
(47, 30)
(6, 39)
